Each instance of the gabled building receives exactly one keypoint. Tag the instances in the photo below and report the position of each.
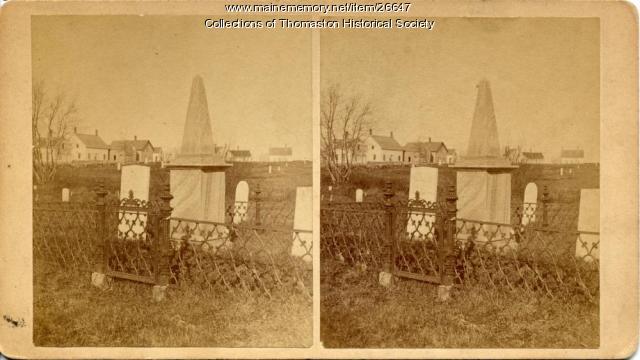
(571, 156)
(239, 156)
(426, 152)
(280, 154)
(79, 147)
(529, 157)
(381, 148)
(131, 151)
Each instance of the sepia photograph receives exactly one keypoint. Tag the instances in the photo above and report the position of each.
(319, 180)
(172, 184)
(460, 176)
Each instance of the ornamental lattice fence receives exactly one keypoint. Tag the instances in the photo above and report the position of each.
(249, 252)
(540, 252)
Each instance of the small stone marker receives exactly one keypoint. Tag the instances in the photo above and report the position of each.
(359, 195)
(241, 202)
(65, 195)
(270, 169)
(561, 171)
(423, 185)
(118, 166)
(303, 220)
(279, 168)
(530, 203)
(588, 245)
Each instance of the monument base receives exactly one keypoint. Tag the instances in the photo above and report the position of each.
(198, 194)
(484, 195)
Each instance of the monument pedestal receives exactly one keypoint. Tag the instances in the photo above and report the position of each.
(484, 195)
(198, 193)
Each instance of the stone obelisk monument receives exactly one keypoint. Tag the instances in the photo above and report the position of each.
(484, 176)
(197, 175)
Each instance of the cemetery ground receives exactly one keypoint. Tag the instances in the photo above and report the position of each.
(357, 312)
(69, 311)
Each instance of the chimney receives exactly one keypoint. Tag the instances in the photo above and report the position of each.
(370, 131)
(392, 134)
(135, 137)
(96, 132)
(429, 138)
(75, 130)
(238, 147)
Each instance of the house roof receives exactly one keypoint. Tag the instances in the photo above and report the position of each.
(576, 153)
(138, 144)
(533, 155)
(280, 151)
(92, 141)
(387, 142)
(431, 146)
(240, 153)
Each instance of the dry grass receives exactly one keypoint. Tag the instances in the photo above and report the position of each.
(358, 313)
(68, 311)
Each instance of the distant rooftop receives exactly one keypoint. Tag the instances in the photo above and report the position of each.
(387, 142)
(280, 151)
(533, 155)
(572, 153)
(240, 153)
(92, 141)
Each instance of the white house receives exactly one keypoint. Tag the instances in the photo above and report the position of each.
(83, 147)
(572, 156)
(280, 154)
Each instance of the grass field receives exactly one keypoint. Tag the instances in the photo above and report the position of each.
(69, 311)
(356, 312)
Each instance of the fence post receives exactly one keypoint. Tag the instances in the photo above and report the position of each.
(163, 244)
(545, 201)
(447, 272)
(99, 277)
(258, 192)
(386, 276)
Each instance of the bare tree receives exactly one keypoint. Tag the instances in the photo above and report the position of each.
(51, 121)
(344, 122)
(513, 154)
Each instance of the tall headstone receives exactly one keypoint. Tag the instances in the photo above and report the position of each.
(359, 195)
(241, 202)
(530, 203)
(588, 245)
(134, 182)
(65, 195)
(423, 185)
(303, 220)
(135, 178)
(197, 174)
(484, 176)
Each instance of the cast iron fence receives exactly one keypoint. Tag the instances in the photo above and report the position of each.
(255, 248)
(540, 251)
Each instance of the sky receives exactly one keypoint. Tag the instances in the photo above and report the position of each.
(544, 75)
(131, 75)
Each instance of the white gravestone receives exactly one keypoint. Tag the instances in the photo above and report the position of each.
(530, 204)
(134, 180)
(65, 195)
(423, 185)
(241, 203)
(303, 220)
(588, 245)
(359, 195)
